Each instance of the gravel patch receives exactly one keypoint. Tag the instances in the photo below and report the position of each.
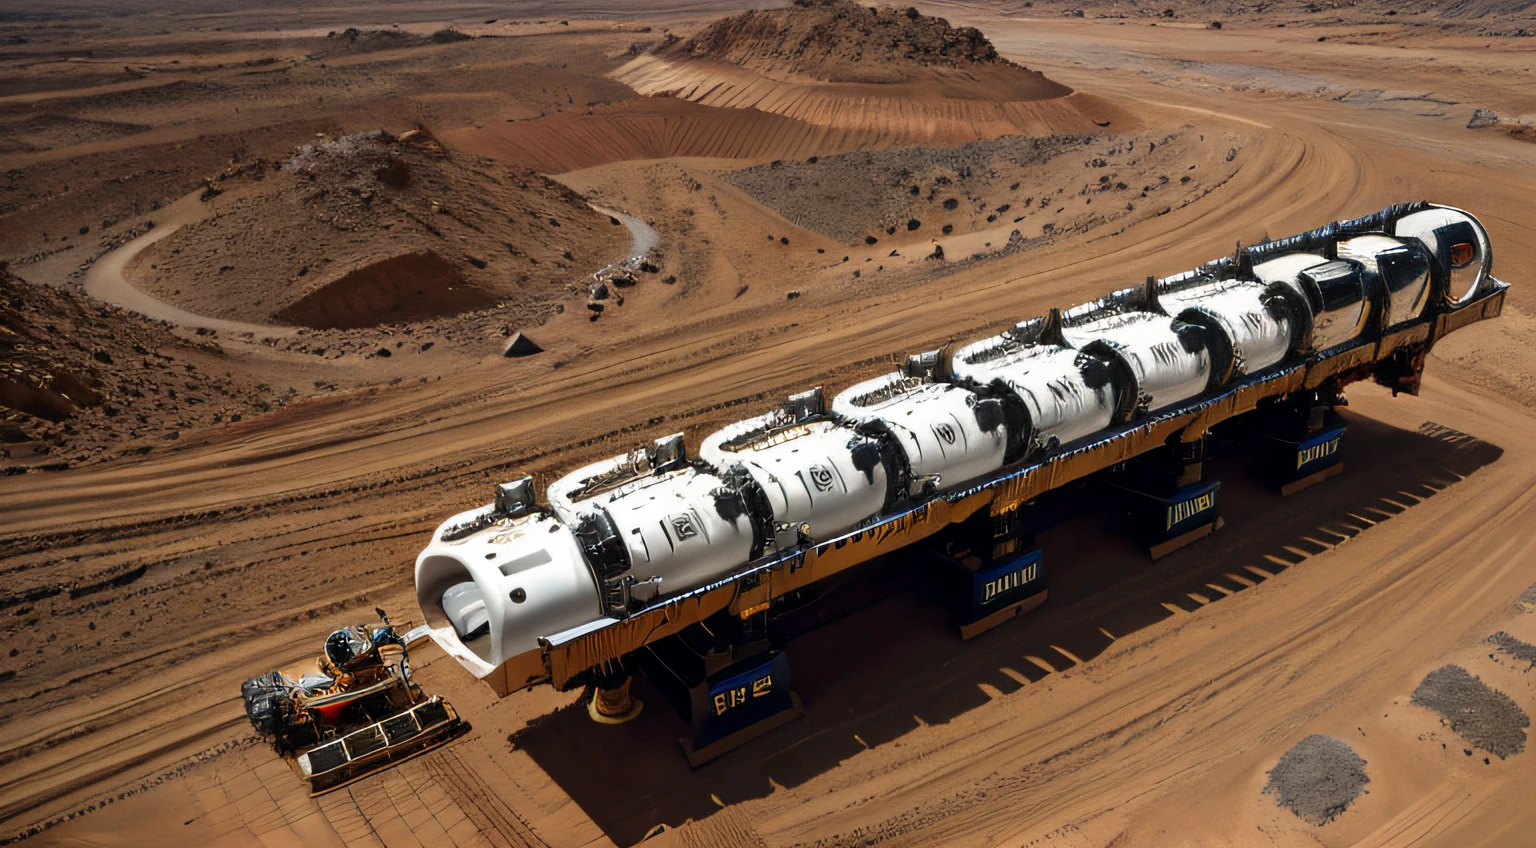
(1486, 717)
(1516, 648)
(1317, 779)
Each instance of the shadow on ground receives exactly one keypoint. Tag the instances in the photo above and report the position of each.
(869, 677)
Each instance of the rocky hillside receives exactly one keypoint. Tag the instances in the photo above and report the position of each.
(81, 380)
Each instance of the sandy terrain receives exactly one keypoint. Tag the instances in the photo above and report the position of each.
(1143, 705)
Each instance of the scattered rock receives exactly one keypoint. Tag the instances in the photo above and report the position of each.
(1483, 118)
(520, 346)
(1486, 717)
(1317, 779)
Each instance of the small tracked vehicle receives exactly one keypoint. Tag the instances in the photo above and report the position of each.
(359, 714)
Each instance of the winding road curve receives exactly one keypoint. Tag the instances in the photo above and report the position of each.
(106, 281)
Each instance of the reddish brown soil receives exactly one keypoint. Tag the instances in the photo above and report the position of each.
(1141, 706)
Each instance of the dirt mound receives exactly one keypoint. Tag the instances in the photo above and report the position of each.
(369, 228)
(353, 40)
(1317, 779)
(1486, 717)
(836, 63)
(841, 41)
(410, 287)
(80, 380)
(860, 78)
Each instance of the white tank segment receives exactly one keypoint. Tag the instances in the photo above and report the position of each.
(1258, 337)
(654, 520)
(1061, 405)
(944, 433)
(676, 533)
(1158, 351)
(817, 472)
(1398, 270)
(1333, 289)
(1285, 269)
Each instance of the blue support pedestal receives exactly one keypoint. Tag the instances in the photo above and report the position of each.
(1167, 522)
(1297, 459)
(985, 595)
(739, 703)
(728, 689)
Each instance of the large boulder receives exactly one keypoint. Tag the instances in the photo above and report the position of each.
(520, 345)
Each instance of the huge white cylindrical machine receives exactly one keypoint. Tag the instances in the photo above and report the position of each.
(502, 585)
(948, 435)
